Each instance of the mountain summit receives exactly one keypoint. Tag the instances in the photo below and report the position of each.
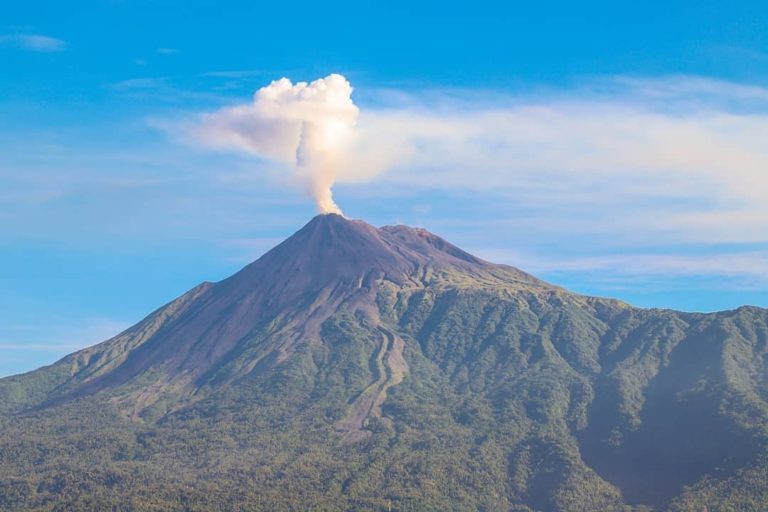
(281, 299)
(362, 368)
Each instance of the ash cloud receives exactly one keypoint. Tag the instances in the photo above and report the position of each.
(306, 125)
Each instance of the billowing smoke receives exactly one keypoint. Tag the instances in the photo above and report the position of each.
(307, 125)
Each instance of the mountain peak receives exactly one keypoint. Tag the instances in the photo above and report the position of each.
(333, 263)
(332, 247)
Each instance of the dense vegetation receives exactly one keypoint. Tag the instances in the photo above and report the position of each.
(516, 398)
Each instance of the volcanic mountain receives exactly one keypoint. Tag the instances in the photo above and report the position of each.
(356, 368)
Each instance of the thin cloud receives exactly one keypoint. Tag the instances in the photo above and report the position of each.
(43, 347)
(26, 347)
(740, 270)
(167, 51)
(34, 42)
(61, 339)
(679, 156)
(161, 89)
(249, 249)
(139, 84)
(233, 74)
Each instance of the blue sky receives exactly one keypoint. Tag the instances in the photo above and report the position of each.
(611, 147)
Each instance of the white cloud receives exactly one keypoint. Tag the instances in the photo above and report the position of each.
(242, 73)
(34, 42)
(593, 138)
(249, 249)
(752, 264)
(59, 338)
(304, 125)
(140, 84)
(678, 156)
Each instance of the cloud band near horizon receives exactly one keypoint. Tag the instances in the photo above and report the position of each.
(683, 154)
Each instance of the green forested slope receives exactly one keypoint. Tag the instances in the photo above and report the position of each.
(515, 395)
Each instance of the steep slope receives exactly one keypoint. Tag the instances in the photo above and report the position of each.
(218, 333)
(361, 368)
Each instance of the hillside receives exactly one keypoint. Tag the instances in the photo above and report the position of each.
(356, 368)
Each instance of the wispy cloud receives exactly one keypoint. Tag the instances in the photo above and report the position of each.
(167, 51)
(750, 267)
(30, 346)
(140, 84)
(249, 249)
(676, 155)
(59, 337)
(162, 90)
(34, 42)
(243, 73)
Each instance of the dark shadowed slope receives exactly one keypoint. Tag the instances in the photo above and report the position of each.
(360, 368)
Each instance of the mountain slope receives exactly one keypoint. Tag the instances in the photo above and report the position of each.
(361, 368)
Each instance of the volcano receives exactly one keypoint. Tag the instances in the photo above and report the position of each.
(362, 368)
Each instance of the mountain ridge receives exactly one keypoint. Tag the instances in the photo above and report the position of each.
(385, 366)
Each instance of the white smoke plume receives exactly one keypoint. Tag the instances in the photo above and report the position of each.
(692, 148)
(307, 125)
